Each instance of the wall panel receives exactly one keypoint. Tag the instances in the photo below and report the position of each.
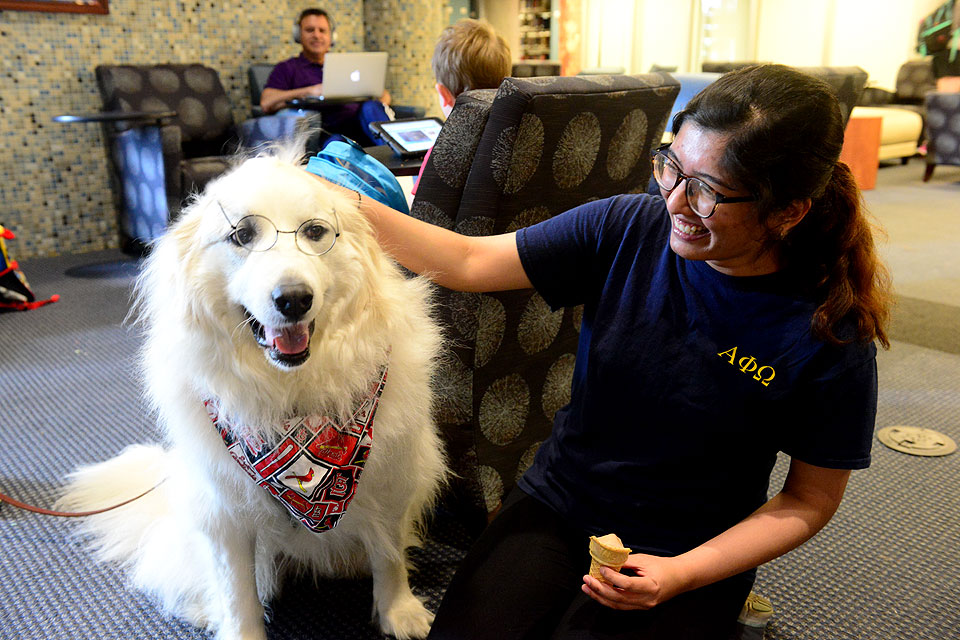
(54, 188)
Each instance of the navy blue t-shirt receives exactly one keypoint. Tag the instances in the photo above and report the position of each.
(687, 382)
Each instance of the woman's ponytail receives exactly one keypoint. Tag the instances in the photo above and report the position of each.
(834, 244)
(784, 134)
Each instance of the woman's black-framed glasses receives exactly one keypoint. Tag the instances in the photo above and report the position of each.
(314, 237)
(701, 197)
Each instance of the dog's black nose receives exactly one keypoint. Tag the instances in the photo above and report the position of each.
(293, 301)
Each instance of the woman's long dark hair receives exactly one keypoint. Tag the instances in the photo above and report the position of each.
(784, 132)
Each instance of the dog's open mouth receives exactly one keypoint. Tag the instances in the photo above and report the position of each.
(288, 345)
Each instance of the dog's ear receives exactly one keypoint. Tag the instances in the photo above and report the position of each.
(162, 286)
(378, 301)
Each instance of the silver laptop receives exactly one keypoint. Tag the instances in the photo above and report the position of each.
(347, 75)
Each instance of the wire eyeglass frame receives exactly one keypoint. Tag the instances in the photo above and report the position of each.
(262, 242)
(693, 187)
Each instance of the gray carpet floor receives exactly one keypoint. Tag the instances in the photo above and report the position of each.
(68, 396)
(885, 568)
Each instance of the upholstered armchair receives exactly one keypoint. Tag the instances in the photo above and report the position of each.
(156, 164)
(257, 75)
(506, 159)
(914, 80)
(943, 130)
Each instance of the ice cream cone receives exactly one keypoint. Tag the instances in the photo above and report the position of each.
(606, 551)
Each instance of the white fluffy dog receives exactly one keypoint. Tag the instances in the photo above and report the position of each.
(282, 365)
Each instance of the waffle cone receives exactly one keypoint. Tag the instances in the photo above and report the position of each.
(606, 551)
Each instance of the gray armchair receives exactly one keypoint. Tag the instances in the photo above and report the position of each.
(506, 159)
(914, 80)
(257, 75)
(155, 166)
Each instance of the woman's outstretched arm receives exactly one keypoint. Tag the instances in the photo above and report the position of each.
(455, 261)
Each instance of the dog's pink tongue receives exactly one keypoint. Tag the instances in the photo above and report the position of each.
(288, 340)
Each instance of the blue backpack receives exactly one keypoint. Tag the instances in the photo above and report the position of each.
(347, 164)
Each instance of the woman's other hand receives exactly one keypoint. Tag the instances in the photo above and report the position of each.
(646, 582)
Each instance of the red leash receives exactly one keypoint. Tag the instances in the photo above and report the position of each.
(70, 514)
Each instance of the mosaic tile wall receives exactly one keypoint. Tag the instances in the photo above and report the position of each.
(54, 187)
(408, 30)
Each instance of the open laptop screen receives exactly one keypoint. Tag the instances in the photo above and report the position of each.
(347, 75)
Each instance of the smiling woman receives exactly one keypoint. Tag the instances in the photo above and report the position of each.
(63, 6)
(723, 323)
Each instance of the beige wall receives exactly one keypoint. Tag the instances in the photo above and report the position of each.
(503, 16)
(54, 189)
(662, 26)
(408, 30)
(878, 35)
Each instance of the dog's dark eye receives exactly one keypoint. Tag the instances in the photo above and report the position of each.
(316, 237)
(315, 231)
(255, 233)
(242, 236)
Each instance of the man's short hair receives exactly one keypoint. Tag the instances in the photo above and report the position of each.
(470, 55)
(315, 11)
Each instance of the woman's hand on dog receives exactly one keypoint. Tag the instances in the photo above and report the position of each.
(647, 581)
(350, 193)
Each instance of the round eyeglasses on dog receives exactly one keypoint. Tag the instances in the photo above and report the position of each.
(314, 237)
(702, 198)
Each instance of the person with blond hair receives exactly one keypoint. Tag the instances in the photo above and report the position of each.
(468, 55)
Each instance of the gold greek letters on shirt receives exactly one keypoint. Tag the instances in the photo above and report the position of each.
(748, 364)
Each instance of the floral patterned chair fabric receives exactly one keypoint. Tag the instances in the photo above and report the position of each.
(943, 130)
(506, 159)
(156, 166)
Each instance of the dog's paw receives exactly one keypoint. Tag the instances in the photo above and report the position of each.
(406, 619)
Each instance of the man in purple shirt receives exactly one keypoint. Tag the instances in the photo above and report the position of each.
(302, 77)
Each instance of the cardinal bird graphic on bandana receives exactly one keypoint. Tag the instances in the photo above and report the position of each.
(315, 467)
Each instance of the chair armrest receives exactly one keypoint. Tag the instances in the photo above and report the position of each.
(147, 160)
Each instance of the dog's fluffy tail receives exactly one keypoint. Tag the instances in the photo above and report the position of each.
(144, 536)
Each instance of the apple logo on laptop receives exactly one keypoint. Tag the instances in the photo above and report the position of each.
(355, 76)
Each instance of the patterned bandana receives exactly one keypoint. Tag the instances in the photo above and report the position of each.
(315, 468)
